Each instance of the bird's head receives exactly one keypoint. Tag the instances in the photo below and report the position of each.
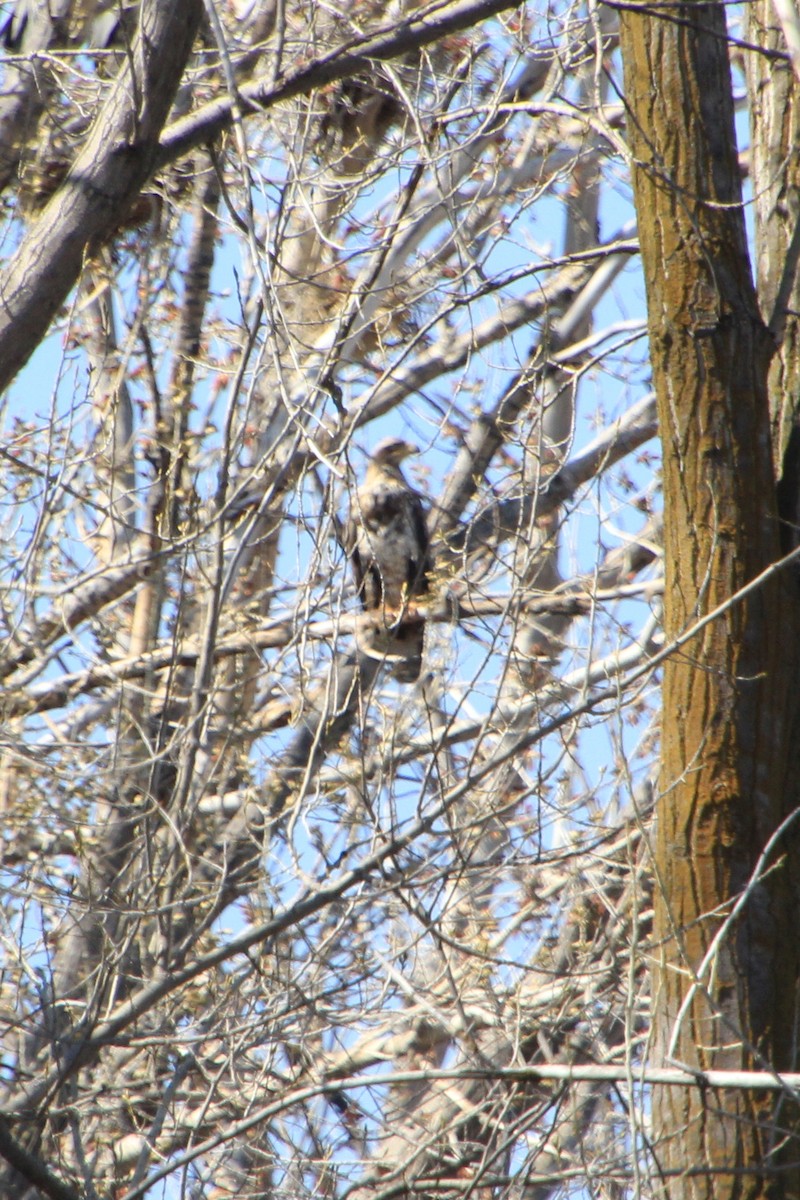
(392, 451)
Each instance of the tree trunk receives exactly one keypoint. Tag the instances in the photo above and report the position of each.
(724, 995)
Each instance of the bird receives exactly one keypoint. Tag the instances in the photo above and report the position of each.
(387, 540)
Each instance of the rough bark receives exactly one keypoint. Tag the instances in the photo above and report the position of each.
(730, 731)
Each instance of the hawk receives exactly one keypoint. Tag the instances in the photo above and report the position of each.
(387, 539)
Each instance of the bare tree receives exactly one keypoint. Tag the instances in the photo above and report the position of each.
(276, 922)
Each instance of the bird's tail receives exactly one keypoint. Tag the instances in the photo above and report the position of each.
(409, 645)
(400, 644)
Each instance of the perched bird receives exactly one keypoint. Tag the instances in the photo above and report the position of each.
(387, 540)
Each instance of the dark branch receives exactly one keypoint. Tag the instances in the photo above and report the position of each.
(116, 160)
(354, 57)
(32, 1168)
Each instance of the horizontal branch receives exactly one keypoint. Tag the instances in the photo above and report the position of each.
(555, 1072)
(759, 1081)
(502, 520)
(59, 692)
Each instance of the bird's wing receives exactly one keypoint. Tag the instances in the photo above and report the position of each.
(421, 568)
(350, 540)
(358, 544)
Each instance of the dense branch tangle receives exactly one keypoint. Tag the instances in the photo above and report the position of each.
(243, 861)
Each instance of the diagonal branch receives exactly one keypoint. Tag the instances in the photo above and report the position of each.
(116, 160)
(421, 29)
(32, 1168)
